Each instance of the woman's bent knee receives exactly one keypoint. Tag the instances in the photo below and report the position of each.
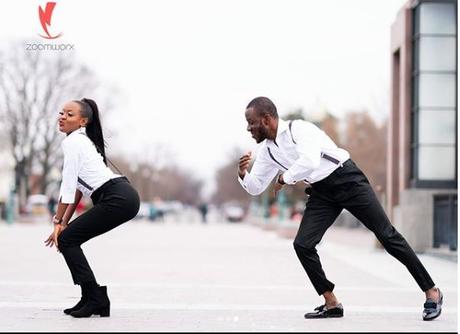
(302, 246)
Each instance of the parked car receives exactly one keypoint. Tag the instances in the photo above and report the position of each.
(233, 212)
(37, 205)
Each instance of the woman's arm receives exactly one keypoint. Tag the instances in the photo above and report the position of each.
(71, 208)
(63, 214)
(68, 193)
(61, 209)
(57, 227)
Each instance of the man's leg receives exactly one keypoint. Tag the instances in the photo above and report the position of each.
(318, 217)
(366, 207)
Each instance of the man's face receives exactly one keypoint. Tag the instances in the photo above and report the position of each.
(257, 125)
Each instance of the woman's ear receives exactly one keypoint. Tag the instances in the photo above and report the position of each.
(83, 122)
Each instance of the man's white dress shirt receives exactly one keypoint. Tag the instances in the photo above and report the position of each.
(84, 167)
(297, 152)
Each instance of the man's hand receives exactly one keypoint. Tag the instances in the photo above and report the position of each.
(244, 164)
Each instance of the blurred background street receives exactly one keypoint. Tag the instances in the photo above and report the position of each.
(184, 275)
(172, 80)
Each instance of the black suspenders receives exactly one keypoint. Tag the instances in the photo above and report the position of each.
(323, 155)
(290, 131)
(273, 158)
(84, 184)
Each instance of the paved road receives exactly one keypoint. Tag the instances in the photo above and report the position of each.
(217, 277)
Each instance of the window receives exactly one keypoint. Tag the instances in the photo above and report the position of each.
(434, 94)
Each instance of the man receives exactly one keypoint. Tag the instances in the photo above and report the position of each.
(299, 151)
(203, 207)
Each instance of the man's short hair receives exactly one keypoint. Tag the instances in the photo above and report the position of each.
(263, 105)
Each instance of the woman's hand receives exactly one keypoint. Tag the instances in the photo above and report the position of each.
(53, 238)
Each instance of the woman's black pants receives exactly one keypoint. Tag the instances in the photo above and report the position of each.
(115, 203)
(347, 187)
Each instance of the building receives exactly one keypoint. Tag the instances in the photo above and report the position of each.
(422, 150)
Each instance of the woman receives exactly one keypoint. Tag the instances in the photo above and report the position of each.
(85, 173)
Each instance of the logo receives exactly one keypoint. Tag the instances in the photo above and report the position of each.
(45, 19)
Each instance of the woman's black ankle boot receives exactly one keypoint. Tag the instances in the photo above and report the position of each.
(98, 303)
(79, 305)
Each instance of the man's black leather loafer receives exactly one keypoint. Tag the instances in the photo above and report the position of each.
(432, 309)
(322, 312)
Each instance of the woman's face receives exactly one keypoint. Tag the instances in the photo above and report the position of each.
(70, 118)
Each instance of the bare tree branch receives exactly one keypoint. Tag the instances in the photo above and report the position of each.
(33, 87)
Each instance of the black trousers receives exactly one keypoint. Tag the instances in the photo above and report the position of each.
(115, 202)
(347, 187)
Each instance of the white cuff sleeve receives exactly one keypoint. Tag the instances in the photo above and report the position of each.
(288, 179)
(241, 180)
(68, 197)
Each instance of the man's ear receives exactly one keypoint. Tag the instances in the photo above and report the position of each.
(266, 119)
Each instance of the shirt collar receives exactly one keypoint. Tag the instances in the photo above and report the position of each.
(282, 126)
(81, 130)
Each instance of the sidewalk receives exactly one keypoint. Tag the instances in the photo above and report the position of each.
(355, 236)
(216, 277)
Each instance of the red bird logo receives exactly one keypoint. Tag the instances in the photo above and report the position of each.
(45, 19)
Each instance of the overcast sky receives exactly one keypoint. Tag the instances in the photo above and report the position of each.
(185, 70)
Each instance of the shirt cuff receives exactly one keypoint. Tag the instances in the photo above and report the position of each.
(288, 179)
(68, 198)
(241, 180)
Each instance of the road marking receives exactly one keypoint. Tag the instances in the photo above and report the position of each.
(222, 286)
(46, 306)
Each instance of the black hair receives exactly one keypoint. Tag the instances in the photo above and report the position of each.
(90, 110)
(263, 105)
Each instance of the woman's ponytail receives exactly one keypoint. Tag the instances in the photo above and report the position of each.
(94, 128)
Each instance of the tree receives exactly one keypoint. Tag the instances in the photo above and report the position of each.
(227, 185)
(33, 87)
(366, 142)
(153, 179)
(330, 125)
(294, 114)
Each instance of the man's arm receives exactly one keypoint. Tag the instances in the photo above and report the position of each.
(262, 173)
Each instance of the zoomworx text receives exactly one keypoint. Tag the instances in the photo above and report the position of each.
(50, 47)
